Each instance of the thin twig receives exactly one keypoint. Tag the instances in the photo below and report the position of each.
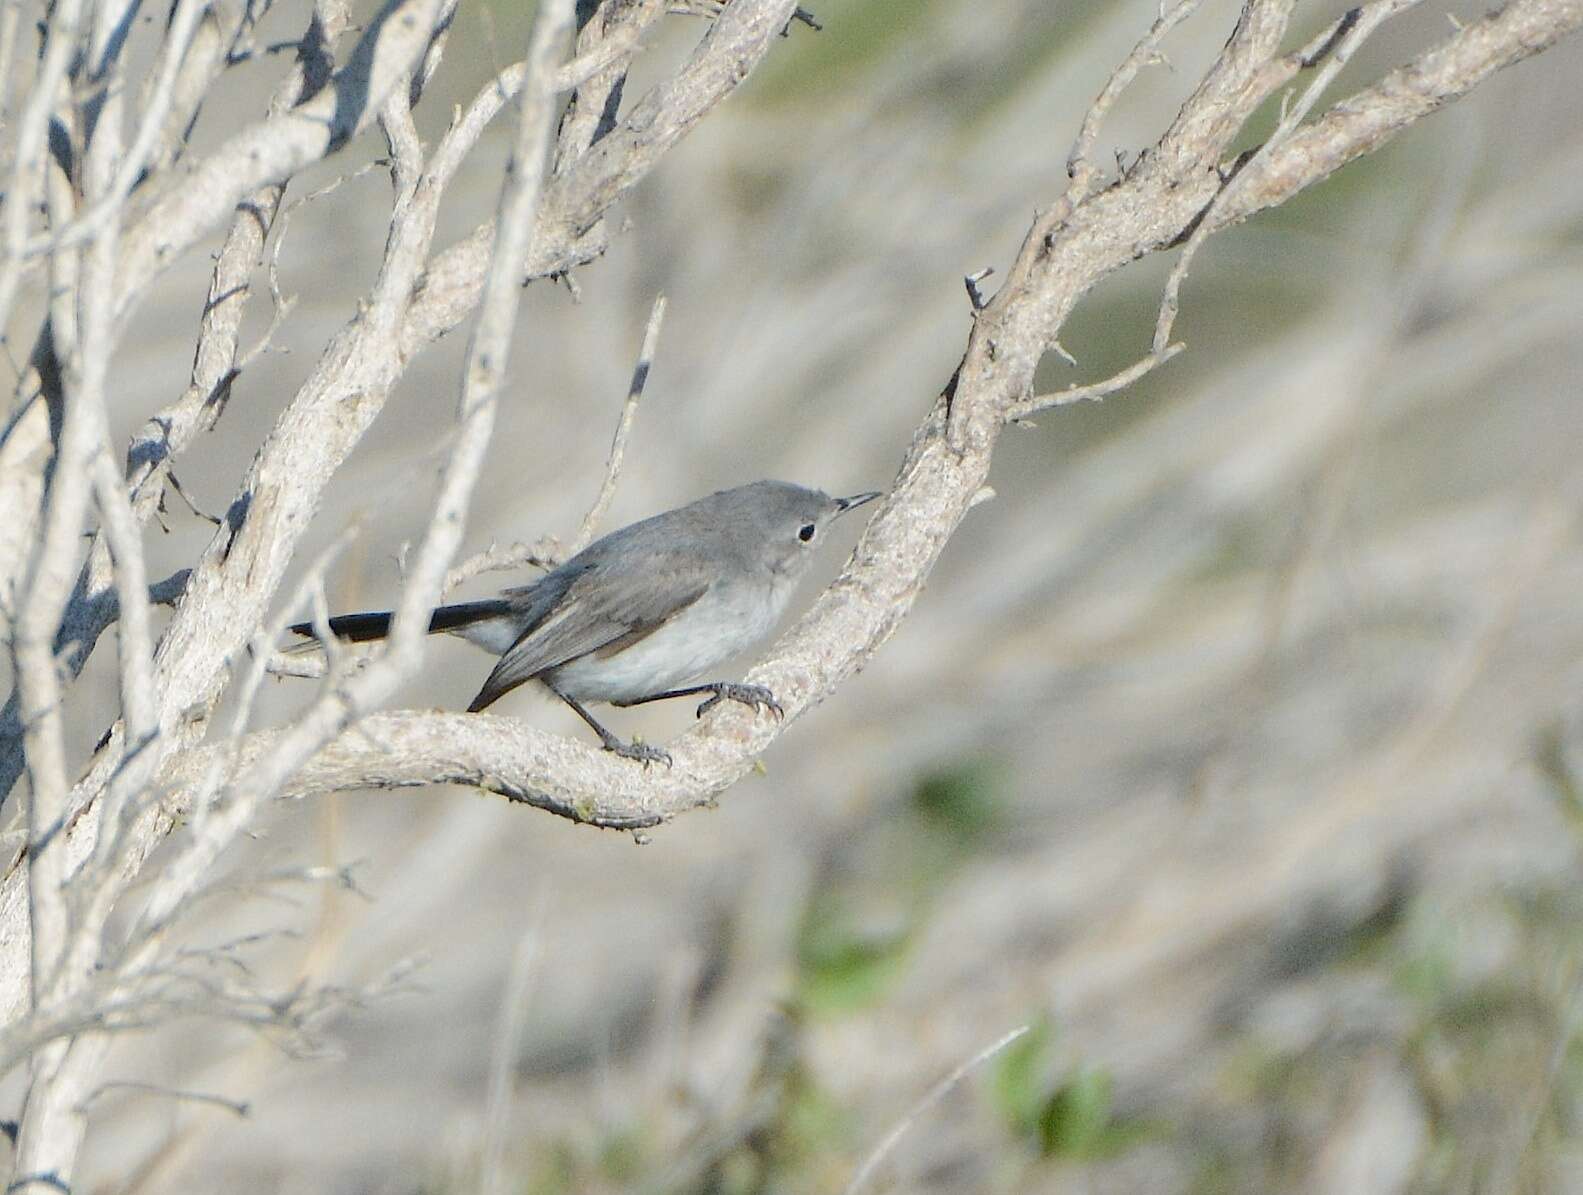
(545, 554)
(971, 281)
(239, 1107)
(1049, 224)
(932, 1097)
(1334, 48)
(29, 159)
(139, 708)
(10, 19)
(618, 445)
(1146, 53)
(281, 303)
(1094, 391)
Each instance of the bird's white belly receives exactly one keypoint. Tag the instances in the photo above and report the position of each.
(712, 629)
(494, 635)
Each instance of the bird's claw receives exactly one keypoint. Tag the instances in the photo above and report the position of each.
(756, 696)
(642, 752)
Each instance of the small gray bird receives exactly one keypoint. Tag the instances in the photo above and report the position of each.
(646, 608)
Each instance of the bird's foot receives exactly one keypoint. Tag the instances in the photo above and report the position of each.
(641, 752)
(756, 696)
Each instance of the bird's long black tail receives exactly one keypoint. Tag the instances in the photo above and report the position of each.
(360, 628)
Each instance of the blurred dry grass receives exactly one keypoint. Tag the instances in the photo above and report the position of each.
(1235, 745)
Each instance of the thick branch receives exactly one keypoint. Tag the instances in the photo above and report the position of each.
(1366, 121)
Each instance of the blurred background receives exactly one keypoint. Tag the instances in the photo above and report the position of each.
(1234, 747)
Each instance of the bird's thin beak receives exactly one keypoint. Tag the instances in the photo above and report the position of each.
(842, 505)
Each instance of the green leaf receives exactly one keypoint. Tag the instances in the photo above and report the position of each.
(962, 800)
(1076, 1116)
(843, 973)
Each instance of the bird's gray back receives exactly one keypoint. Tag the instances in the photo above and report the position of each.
(632, 581)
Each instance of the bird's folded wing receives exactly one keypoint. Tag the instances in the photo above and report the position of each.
(596, 612)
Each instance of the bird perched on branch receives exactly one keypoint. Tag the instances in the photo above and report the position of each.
(645, 610)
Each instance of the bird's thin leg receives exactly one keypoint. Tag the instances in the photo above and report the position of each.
(641, 752)
(756, 696)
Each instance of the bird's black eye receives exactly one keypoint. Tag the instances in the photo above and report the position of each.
(805, 532)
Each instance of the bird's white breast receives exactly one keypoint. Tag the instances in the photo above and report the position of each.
(721, 623)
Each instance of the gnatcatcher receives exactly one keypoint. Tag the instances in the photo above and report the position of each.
(646, 608)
